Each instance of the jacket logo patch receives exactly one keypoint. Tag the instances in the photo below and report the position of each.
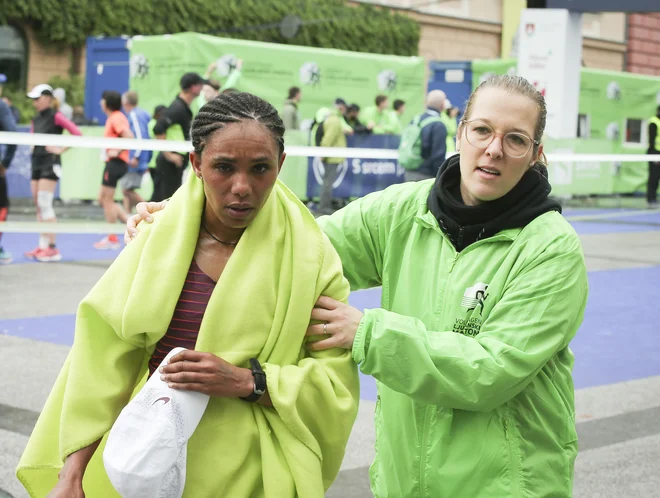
(474, 296)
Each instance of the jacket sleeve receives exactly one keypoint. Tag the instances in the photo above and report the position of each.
(536, 317)
(355, 232)
(318, 398)
(232, 79)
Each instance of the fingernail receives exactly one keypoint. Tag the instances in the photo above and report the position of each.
(161, 369)
(162, 377)
(149, 219)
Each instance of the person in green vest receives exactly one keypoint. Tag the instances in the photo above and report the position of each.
(290, 111)
(448, 117)
(379, 118)
(333, 135)
(654, 166)
(398, 109)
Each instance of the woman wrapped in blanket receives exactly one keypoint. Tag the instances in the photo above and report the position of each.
(233, 269)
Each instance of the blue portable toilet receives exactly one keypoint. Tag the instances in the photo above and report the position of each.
(454, 78)
(107, 69)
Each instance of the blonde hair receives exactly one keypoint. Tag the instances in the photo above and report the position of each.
(517, 85)
(54, 103)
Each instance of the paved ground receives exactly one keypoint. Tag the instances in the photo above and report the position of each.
(617, 371)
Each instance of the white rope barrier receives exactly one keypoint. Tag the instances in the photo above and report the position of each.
(99, 227)
(291, 150)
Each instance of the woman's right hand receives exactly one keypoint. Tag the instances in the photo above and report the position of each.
(67, 488)
(144, 212)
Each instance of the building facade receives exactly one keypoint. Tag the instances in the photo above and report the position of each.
(458, 30)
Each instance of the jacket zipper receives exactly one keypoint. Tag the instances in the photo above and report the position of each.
(461, 232)
(422, 458)
(512, 460)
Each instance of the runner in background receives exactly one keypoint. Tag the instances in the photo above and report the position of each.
(138, 163)
(116, 166)
(178, 116)
(7, 123)
(47, 166)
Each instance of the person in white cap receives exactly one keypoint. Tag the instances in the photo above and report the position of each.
(232, 273)
(47, 166)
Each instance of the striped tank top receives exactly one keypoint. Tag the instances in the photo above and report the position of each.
(187, 318)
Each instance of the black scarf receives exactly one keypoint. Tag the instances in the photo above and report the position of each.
(465, 225)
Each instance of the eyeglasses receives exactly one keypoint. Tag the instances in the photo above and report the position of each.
(481, 135)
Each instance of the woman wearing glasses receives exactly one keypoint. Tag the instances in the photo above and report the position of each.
(484, 286)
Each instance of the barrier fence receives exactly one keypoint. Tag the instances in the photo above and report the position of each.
(365, 169)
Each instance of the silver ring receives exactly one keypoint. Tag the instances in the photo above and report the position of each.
(325, 328)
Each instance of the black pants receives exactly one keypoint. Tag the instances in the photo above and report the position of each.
(155, 179)
(169, 177)
(652, 184)
(4, 195)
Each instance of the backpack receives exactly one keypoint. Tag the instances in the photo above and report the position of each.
(318, 136)
(410, 148)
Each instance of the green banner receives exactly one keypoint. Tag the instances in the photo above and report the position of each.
(583, 178)
(157, 63)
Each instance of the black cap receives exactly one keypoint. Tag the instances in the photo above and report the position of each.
(191, 79)
(339, 101)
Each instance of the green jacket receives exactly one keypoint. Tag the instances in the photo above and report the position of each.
(469, 350)
(385, 122)
(333, 135)
(290, 115)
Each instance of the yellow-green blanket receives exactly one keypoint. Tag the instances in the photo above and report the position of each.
(260, 308)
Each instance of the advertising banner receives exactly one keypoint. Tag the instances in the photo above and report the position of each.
(355, 177)
(157, 63)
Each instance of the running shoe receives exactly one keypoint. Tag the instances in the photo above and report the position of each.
(5, 257)
(110, 242)
(33, 253)
(49, 255)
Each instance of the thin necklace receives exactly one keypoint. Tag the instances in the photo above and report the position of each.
(231, 244)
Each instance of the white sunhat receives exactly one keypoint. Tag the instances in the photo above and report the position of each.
(145, 455)
(40, 90)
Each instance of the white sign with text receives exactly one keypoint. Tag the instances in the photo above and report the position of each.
(550, 57)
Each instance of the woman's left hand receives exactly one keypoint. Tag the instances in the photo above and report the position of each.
(339, 324)
(208, 374)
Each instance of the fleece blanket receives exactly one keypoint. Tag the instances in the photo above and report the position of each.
(260, 308)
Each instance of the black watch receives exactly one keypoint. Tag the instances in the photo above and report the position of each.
(259, 381)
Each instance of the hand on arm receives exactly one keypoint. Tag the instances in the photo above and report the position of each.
(144, 212)
(339, 324)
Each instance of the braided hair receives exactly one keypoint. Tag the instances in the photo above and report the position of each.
(235, 107)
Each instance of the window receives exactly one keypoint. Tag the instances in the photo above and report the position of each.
(636, 132)
(583, 126)
(13, 56)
